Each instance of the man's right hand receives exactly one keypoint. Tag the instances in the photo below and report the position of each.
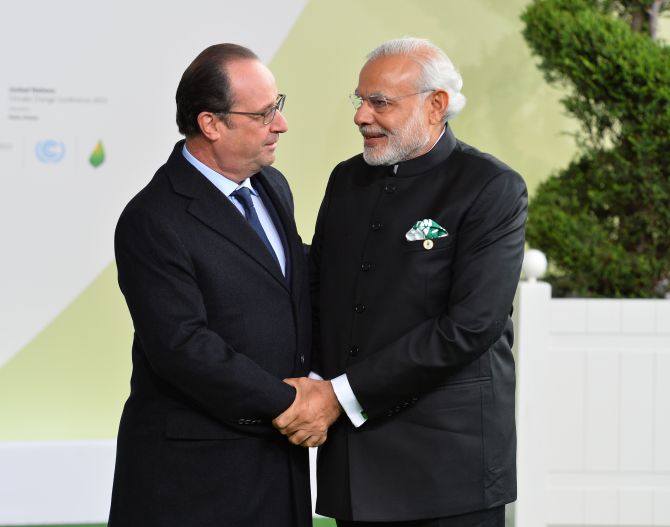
(314, 409)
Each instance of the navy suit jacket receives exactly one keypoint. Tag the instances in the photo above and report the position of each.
(217, 328)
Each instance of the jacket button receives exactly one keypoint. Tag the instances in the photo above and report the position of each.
(302, 359)
(240, 421)
(367, 266)
(359, 308)
(353, 351)
(390, 188)
(376, 226)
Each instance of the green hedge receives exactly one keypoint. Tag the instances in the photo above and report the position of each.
(604, 221)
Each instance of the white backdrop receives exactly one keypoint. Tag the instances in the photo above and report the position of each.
(74, 74)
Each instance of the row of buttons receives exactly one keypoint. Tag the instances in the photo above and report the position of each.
(389, 188)
(401, 406)
(376, 226)
(242, 421)
(368, 266)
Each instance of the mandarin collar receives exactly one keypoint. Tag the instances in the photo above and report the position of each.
(435, 156)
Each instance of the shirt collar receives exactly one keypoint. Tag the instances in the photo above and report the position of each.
(225, 185)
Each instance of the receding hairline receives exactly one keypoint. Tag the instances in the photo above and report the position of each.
(416, 77)
(415, 58)
(419, 51)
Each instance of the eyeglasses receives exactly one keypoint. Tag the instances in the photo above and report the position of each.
(378, 102)
(268, 115)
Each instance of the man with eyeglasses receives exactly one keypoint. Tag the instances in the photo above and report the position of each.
(213, 272)
(416, 257)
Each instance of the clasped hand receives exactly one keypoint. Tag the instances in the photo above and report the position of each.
(314, 409)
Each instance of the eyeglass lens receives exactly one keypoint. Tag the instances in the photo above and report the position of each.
(269, 116)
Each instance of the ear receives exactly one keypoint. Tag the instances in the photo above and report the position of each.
(207, 122)
(439, 102)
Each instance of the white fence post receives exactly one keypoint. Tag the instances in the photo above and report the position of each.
(533, 308)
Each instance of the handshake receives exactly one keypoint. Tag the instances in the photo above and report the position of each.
(314, 409)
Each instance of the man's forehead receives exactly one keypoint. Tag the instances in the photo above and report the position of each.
(252, 80)
(387, 74)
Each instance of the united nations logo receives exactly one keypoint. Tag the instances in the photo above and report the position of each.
(50, 151)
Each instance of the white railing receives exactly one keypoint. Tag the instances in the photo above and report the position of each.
(593, 404)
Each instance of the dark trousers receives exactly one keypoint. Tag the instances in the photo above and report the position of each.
(489, 518)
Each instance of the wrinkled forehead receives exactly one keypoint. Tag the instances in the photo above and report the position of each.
(389, 75)
(252, 82)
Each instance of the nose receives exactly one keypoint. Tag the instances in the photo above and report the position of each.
(279, 124)
(363, 115)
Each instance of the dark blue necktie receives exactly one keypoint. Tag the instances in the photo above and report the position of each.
(243, 195)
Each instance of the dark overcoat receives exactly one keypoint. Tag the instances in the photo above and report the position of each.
(217, 328)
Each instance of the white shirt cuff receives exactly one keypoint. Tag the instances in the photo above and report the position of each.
(350, 405)
(315, 376)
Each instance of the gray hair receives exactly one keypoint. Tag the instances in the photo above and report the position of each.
(437, 71)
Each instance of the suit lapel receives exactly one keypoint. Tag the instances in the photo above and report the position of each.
(216, 211)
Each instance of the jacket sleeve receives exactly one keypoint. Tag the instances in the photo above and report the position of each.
(159, 282)
(489, 252)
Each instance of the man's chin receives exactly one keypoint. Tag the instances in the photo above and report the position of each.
(373, 158)
(268, 159)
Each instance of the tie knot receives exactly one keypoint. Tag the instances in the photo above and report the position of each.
(243, 195)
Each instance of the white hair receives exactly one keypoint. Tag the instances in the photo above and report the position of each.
(437, 71)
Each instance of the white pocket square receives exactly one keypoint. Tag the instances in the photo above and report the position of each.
(426, 230)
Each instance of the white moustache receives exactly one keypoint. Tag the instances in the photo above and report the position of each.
(370, 130)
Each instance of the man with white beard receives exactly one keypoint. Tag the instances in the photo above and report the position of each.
(415, 260)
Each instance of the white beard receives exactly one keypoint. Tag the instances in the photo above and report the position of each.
(403, 144)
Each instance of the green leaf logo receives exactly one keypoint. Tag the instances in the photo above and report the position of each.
(97, 156)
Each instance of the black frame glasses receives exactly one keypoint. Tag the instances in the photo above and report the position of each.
(268, 115)
(379, 102)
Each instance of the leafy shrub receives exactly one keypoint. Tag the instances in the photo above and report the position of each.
(604, 221)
